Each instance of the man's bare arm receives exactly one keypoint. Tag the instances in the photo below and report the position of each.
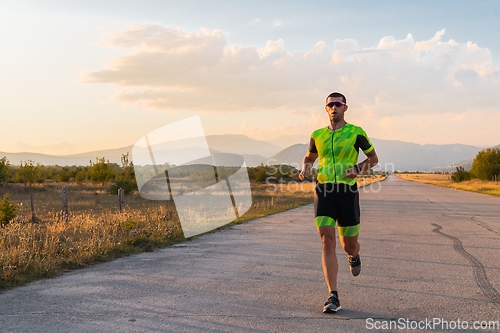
(307, 164)
(370, 161)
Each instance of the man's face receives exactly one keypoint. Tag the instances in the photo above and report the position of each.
(335, 113)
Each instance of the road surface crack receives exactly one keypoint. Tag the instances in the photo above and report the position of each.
(479, 271)
(481, 224)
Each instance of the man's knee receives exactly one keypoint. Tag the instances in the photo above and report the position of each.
(328, 238)
(350, 248)
(328, 242)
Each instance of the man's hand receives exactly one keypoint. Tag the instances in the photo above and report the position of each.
(351, 172)
(367, 164)
(303, 173)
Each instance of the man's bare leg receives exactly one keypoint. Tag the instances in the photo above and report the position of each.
(329, 258)
(350, 245)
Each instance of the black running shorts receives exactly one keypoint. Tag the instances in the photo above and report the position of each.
(337, 202)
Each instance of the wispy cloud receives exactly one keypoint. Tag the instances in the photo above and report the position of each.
(170, 70)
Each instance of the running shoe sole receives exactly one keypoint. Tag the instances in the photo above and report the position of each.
(330, 308)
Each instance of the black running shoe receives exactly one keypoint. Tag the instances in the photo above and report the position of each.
(355, 265)
(332, 304)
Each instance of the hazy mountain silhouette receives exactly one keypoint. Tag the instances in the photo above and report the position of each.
(404, 156)
(254, 151)
(466, 164)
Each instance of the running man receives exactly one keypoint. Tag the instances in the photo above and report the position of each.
(336, 198)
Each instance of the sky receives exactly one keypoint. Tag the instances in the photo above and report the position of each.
(79, 76)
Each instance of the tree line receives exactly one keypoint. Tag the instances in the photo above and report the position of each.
(486, 166)
(99, 172)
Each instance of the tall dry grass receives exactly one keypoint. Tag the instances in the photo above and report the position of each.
(444, 180)
(96, 231)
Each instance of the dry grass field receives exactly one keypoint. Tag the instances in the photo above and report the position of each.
(367, 180)
(96, 231)
(444, 180)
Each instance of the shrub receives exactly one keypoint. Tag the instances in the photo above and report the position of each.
(124, 177)
(81, 177)
(460, 175)
(16, 177)
(260, 173)
(127, 185)
(64, 175)
(29, 171)
(8, 210)
(4, 170)
(101, 171)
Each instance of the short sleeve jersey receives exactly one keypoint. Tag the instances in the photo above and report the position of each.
(338, 151)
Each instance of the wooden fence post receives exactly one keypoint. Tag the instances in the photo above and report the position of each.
(64, 203)
(120, 199)
(32, 206)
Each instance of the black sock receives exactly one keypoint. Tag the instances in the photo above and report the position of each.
(335, 293)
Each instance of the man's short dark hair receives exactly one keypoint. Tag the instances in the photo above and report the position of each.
(337, 94)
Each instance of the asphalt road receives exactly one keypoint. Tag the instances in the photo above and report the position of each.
(427, 252)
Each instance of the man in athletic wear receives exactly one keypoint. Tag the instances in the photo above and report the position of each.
(336, 196)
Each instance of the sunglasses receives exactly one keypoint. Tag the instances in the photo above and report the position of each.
(337, 104)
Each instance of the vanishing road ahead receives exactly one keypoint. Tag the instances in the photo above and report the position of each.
(427, 252)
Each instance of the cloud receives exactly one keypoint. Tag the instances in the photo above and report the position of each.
(171, 70)
(156, 39)
(345, 45)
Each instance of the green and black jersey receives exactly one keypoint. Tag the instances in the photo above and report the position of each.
(338, 151)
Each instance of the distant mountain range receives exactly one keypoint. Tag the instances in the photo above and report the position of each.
(407, 156)
(290, 140)
(395, 155)
(228, 143)
(467, 164)
(227, 149)
(254, 151)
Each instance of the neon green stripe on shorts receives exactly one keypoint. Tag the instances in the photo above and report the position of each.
(321, 221)
(350, 231)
